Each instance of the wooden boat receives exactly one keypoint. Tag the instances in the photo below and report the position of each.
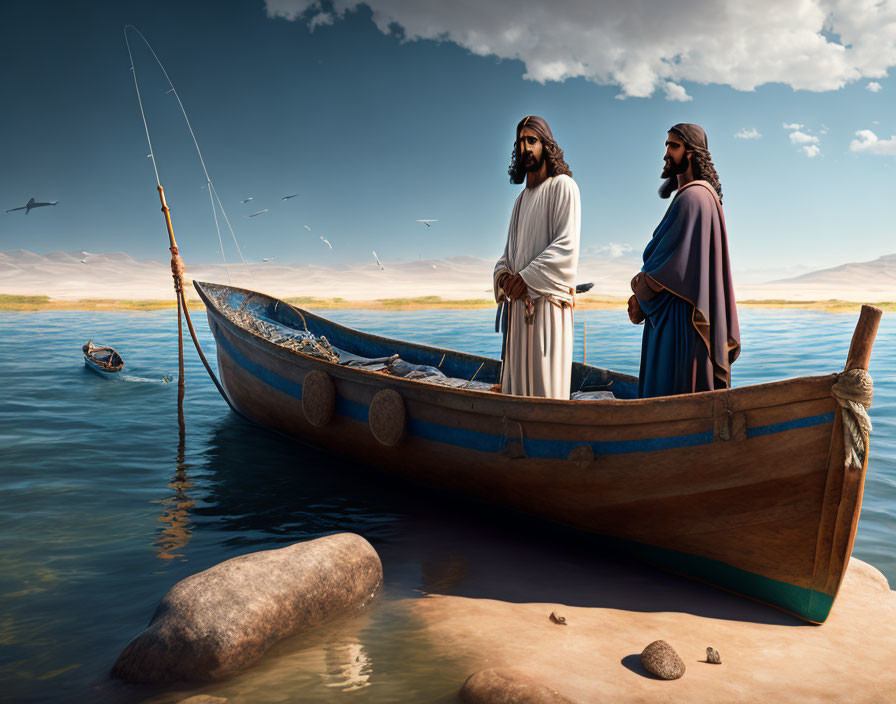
(746, 489)
(102, 360)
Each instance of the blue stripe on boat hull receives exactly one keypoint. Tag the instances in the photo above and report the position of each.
(490, 442)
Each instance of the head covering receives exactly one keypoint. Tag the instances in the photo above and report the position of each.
(693, 136)
(538, 125)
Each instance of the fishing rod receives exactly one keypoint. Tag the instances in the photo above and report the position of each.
(177, 263)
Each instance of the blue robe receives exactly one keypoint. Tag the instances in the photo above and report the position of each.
(691, 333)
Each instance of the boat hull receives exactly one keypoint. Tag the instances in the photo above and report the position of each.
(745, 489)
(93, 366)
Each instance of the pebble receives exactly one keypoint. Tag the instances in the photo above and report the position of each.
(661, 660)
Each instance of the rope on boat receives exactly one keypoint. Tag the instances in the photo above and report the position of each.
(854, 391)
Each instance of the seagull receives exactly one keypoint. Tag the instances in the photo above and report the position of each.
(426, 222)
(31, 204)
(83, 261)
(379, 263)
(259, 212)
(267, 259)
(434, 266)
(247, 200)
(326, 242)
(288, 197)
(308, 228)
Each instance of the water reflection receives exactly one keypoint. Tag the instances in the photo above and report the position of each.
(176, 516)
(348, 666)
(261, 489)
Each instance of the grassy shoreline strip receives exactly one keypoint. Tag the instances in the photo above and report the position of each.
(37, 303)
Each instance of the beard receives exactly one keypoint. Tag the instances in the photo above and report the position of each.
(671, 169)
(530, 163)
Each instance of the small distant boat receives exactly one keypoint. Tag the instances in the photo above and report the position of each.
(102, 360)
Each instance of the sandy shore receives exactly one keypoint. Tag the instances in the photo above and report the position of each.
(38, 303)
(766, 656)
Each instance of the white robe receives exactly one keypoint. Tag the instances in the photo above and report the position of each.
(543, 248)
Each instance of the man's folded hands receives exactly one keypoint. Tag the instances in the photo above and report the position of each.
(513, 285)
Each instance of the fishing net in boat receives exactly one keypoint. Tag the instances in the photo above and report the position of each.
(431, 375)
(297, 340)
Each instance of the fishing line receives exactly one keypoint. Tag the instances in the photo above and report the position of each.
(177, 265)
(152, 155)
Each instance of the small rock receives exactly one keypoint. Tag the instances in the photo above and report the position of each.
(495, 686)
(558, 619)
(661, 660)
(712, 656)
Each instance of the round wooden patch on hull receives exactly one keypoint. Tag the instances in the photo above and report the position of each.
(318, 398)
(387, 417)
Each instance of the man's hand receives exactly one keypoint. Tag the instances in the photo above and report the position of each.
(644, 287)
(635, 314)
(514, 286)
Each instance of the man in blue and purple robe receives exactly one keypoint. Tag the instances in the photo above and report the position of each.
(683, 294)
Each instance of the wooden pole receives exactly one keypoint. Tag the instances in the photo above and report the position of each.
(177, 270)
(863, 338)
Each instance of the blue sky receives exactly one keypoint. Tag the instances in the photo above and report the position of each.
(376, 130)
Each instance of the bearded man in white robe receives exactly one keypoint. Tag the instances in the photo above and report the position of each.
(535, 277)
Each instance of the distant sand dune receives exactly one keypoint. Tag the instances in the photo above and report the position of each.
(80, 275)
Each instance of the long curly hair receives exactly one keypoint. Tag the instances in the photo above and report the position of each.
(553, 155)
(704, 169)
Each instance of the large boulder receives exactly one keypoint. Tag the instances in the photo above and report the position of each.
(219, 621)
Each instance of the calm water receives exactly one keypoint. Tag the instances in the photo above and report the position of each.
(99, 517)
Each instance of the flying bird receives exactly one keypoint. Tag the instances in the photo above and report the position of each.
(326, 242)
(259, 212)
(379, 263)
(288, 197)
(308, 228)
(247, 199)
(267, 259)
(426, 222)
(31, 204)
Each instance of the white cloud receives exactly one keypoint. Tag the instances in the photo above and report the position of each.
(676, 92)
(812, 150)
(803, 138)
(868, 142)
(320, 19)
(614, 250)
(751, 133)
(874, 87)
(808, 143)
(815, 45)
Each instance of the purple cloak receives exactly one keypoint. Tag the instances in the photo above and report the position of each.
(688, 257)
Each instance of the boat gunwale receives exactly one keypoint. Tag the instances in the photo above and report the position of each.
(735, 400)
